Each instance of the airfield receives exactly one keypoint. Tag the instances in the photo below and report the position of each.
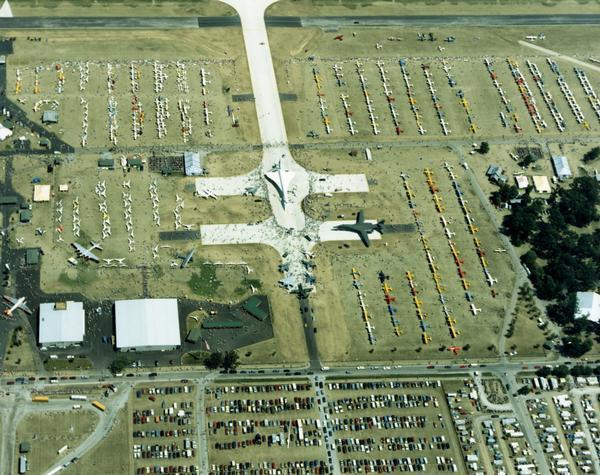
(421, 327)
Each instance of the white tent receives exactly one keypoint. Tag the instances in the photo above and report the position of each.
(5, 10)
(147, 324)
(5, 132)
(588, 306)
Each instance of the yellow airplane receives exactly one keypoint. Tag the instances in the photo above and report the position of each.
(409, 275)
(426, 338)
(397, 331)
(465, 283)
(386, 288)
(355, 273)
(451, 321)
(473, 128)
(473, 228)
(454, 332)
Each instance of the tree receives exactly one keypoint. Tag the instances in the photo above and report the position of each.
(214, 360)
(544, 372)
(578, 202)
(230, 360)
(560, 371)
(524, 390)
(484, 148)
(118, 365)
(466, 347)
(575, 346)
(581, 370)
(504, 194)
(527, 160)
(591, 155)
(563, 311)
(523, 220)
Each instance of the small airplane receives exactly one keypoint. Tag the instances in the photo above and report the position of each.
(489, 279)
(120, 261)
(423, 325)
(253, 289)
(185, 260)
(499, 250)
(455, 349)
(361, 228)
(87, 253)
(386, 288)
(339, 38)
(16, 304)
(474, 310)
(127, 184)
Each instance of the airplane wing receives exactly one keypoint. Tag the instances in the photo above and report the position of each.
(25, 308)
(364, 237)
(10, 300)
(90, 255)
(360, 216)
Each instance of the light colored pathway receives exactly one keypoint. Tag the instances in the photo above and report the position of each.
(558, 55)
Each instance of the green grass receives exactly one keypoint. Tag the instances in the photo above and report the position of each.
(62, 365)
(195, 358)
(205, 283)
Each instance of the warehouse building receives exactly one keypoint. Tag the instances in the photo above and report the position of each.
(561, 167)
(62, 324)
(147, 325)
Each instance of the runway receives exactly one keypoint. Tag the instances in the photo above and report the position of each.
(173, 23)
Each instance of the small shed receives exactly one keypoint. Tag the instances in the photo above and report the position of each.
(106, 161)
(41, 193)
(541, 184)
(561, 167)
(22, 464)
(50, 117)
(134, 162)
(45, 142)
(254, 307)
(63, 188)
(24, 447)
(192, 164)
(25, 216)
(522, 182)
(32, 257)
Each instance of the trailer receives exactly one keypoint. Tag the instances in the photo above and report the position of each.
(78, 397)
(39, 399)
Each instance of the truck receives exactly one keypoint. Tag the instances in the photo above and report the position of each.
(39, 399)
(98, 405)
(78, 397)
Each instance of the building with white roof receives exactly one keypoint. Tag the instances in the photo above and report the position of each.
(147, 324)
(561, 167)
(588, 306)
(61, 324)
(192, 163)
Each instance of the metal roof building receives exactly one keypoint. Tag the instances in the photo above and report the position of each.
(50, 117)
(147, 324)
(62, 324)
(192, 164)
(561, 167)
(588, 306)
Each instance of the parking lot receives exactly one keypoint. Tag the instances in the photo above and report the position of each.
(264, 426)
(164, 434)
(391, 425)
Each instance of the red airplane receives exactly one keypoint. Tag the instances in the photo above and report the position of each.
(389, 298)
(339, 38)
(455, 349)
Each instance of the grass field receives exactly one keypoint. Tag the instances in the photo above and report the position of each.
(429, 7)
(224, 63)
(19, 357)
(48, 432)
(118, 8)
(342, 335)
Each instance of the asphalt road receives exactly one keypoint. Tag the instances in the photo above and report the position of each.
(170, 23)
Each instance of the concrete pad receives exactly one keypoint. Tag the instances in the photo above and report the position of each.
(215, 234)
(328, 233)
(231, 185)
(339, 183)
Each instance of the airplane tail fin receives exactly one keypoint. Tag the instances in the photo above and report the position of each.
(380, 225)
(96, 245)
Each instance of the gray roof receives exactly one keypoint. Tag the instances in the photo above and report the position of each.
(50, 116)
(192, 163)
(561, 166)
(147, 322)
(62, 325)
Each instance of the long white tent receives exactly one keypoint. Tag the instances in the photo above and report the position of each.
(147, 324)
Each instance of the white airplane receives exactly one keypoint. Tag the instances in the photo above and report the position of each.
(15, 304)
(500, 249)
(489, 279)
(253, 289)
(194, 317)
(188, 226)
(20, 240)
(108, 261)
(121, 261)
(249, 269)
(208, 194)
(449, 233)
(474, 310)
(127, 184)
(87, 253)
